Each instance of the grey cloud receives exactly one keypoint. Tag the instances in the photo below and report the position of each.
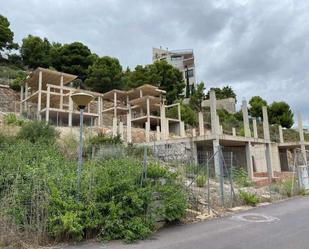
(258, 47)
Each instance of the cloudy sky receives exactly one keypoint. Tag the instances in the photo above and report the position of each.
(259, 47)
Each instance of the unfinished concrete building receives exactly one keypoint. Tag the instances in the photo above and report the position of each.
(45, 95)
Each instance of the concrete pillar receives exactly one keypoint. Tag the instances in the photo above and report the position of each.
(114, 129)
(121, 130)
(201, 123)
(182, 129)
(179, 112)
(267, 140)
(129, 131)
(265, 124)
(61, 92)
(21, 99)
(167, 128)
(39, 96)
(234, 132)
(115, 105)
(245, 118)
(302, 138)
(147, 131)
(100, 115)
(216, 151)
(70, 109)
(26, 96)
(221, 130)
(163, 121)
(255, 131)
(213, 112)
(194, 152)
(158, 134)
(47, 104)
(249, 160)
(193, 132)
(281, 134)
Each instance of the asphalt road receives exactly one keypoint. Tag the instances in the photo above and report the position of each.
(286, 227)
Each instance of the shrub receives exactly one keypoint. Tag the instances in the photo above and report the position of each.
(287, 187)
(11, 119)
(38, 193)
(35, 131)
(249, 198)
(201, 181)
(240, 177)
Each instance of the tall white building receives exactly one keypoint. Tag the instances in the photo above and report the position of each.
(181, 59)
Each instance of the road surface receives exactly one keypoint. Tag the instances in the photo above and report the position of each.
(284, 225)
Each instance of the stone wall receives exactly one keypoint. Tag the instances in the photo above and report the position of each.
(228, 104)
(9, 99)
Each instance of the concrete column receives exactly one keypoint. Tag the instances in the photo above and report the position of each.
(245, 118)
(121, 130)
(158, 135)
(26, 96)
(179, 112)
(100, 104)
(182, 129)
(193, 132)
(281, 134)
(147, 131)
(221, 129)
(194, 152)
(213, 112)
(163, 121)
(61, 92)
(39, 96)
(70, 109)
(114, 129)
(302, 138)
(115, 105)
(255, 131)
(21, 99)
(265, 124)
(234, 132)
(268, 146)
(129, 132)
(249, 160)
(167, 128)
(148, 111)
(216, 151)
(47, 104)
(201, 123)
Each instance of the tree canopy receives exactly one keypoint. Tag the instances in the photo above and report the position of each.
(6, 35)
(280, 113)
(256, 103)
(74, 58)
(160, 74)
(224, 93)
(35, 52)
(197, 97)
(104, 75)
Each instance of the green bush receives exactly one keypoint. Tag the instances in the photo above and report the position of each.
(11, 119)
(240, 177)
(249, 198)
(201, 181)
(38, 192)
(35, 131)
(287, 187)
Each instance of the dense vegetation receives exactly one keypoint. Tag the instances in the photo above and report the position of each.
(39, 194)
